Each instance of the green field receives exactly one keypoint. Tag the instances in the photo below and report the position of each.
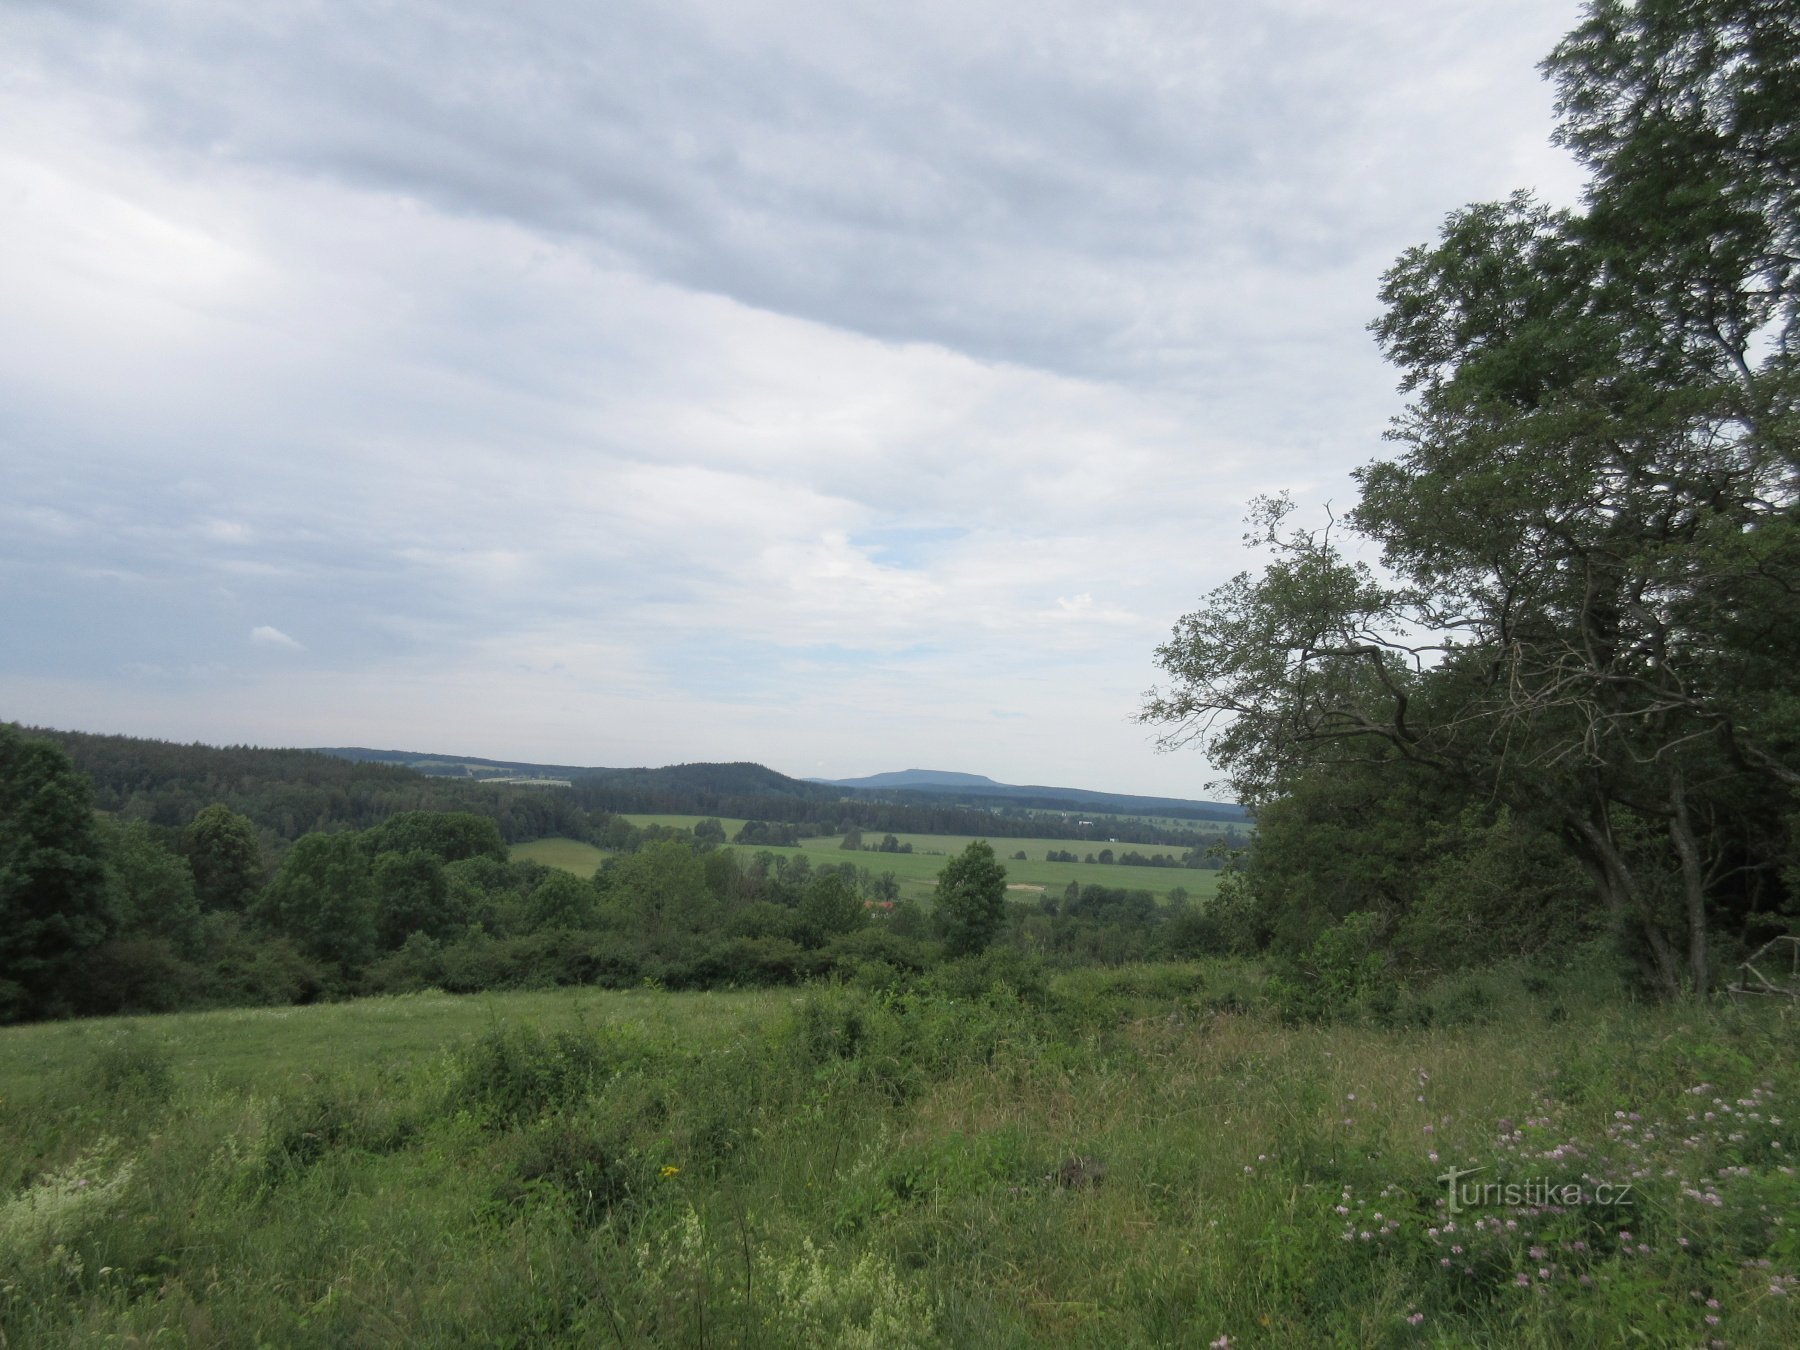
(732, 824)
(569, 854)
(260, 1049)
(917, 871)
(1128, 1158)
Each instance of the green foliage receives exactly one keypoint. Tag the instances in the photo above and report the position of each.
(829, 908)
(449, 836)
(54, 901)
(411, 896)
(153, 892)
(993, 973)
(1588, 529)
(135, 974)
(1496, 888)
(560, 900)
(244, 968)
(225, 856)
(659, 890)
(517, 1074)
(323, 897)
(971, 899)
(1345, 972)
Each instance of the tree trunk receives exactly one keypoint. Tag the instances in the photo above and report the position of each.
(1693, 883)
(1618, 889)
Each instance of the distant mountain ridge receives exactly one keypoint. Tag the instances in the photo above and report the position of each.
(739, 777)
(919, 778)
(745, 779)
(945, 782)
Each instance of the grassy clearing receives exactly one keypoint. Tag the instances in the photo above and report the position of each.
(732, 824)
(569, 854)
(1119, 1159)
(259, 1048)
(917, 871)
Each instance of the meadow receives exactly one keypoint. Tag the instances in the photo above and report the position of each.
(569, 854)
(917, 871)
(1140, 1156)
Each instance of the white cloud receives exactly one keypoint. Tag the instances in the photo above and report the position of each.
(265, 636)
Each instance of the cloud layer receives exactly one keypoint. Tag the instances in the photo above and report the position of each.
(839, 386)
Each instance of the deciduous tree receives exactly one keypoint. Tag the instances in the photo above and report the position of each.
(971, 899)
(53, 892)
(1590, 534)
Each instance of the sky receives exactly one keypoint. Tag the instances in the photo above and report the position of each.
(841, 386)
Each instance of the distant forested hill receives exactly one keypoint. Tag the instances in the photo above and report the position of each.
(289, 793)
(915, 801)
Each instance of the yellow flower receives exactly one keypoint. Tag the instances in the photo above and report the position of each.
(669, 1172)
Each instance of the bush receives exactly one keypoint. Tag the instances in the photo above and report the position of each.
(132, 1068)
(133, 975)
(587, 1170)
(999, 973)
(517, 1074)
(1343, 973)
(324, 1117)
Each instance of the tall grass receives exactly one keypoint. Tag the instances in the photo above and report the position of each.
(1140, 1157)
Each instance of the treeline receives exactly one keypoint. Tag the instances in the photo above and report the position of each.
(1217, 854)
(290, 793)
(826, 812)
(103, 913)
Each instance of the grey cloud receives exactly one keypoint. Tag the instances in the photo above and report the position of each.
(641, 383)
(1053, 185)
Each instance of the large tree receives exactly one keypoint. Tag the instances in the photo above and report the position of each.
(53, 889)
(1589, 599)
(323, 897)
(970, 899)
(226, 856)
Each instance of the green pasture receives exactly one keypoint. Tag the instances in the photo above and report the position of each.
(252, 1049)
(732, 824)
(917, 871)
(569, 854)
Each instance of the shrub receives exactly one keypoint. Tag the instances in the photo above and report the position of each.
(323, 1117)
(133, 975)
(131, 1067)
(517, 1074)
(1343, 972)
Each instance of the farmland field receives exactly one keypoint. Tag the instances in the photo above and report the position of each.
(569, 854)
(917, 871)
(732, 824)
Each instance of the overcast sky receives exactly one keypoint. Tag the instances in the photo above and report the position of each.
(838, 385)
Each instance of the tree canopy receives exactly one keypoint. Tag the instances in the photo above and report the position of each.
(53, 885)
(971, 899)
(1589, 532)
